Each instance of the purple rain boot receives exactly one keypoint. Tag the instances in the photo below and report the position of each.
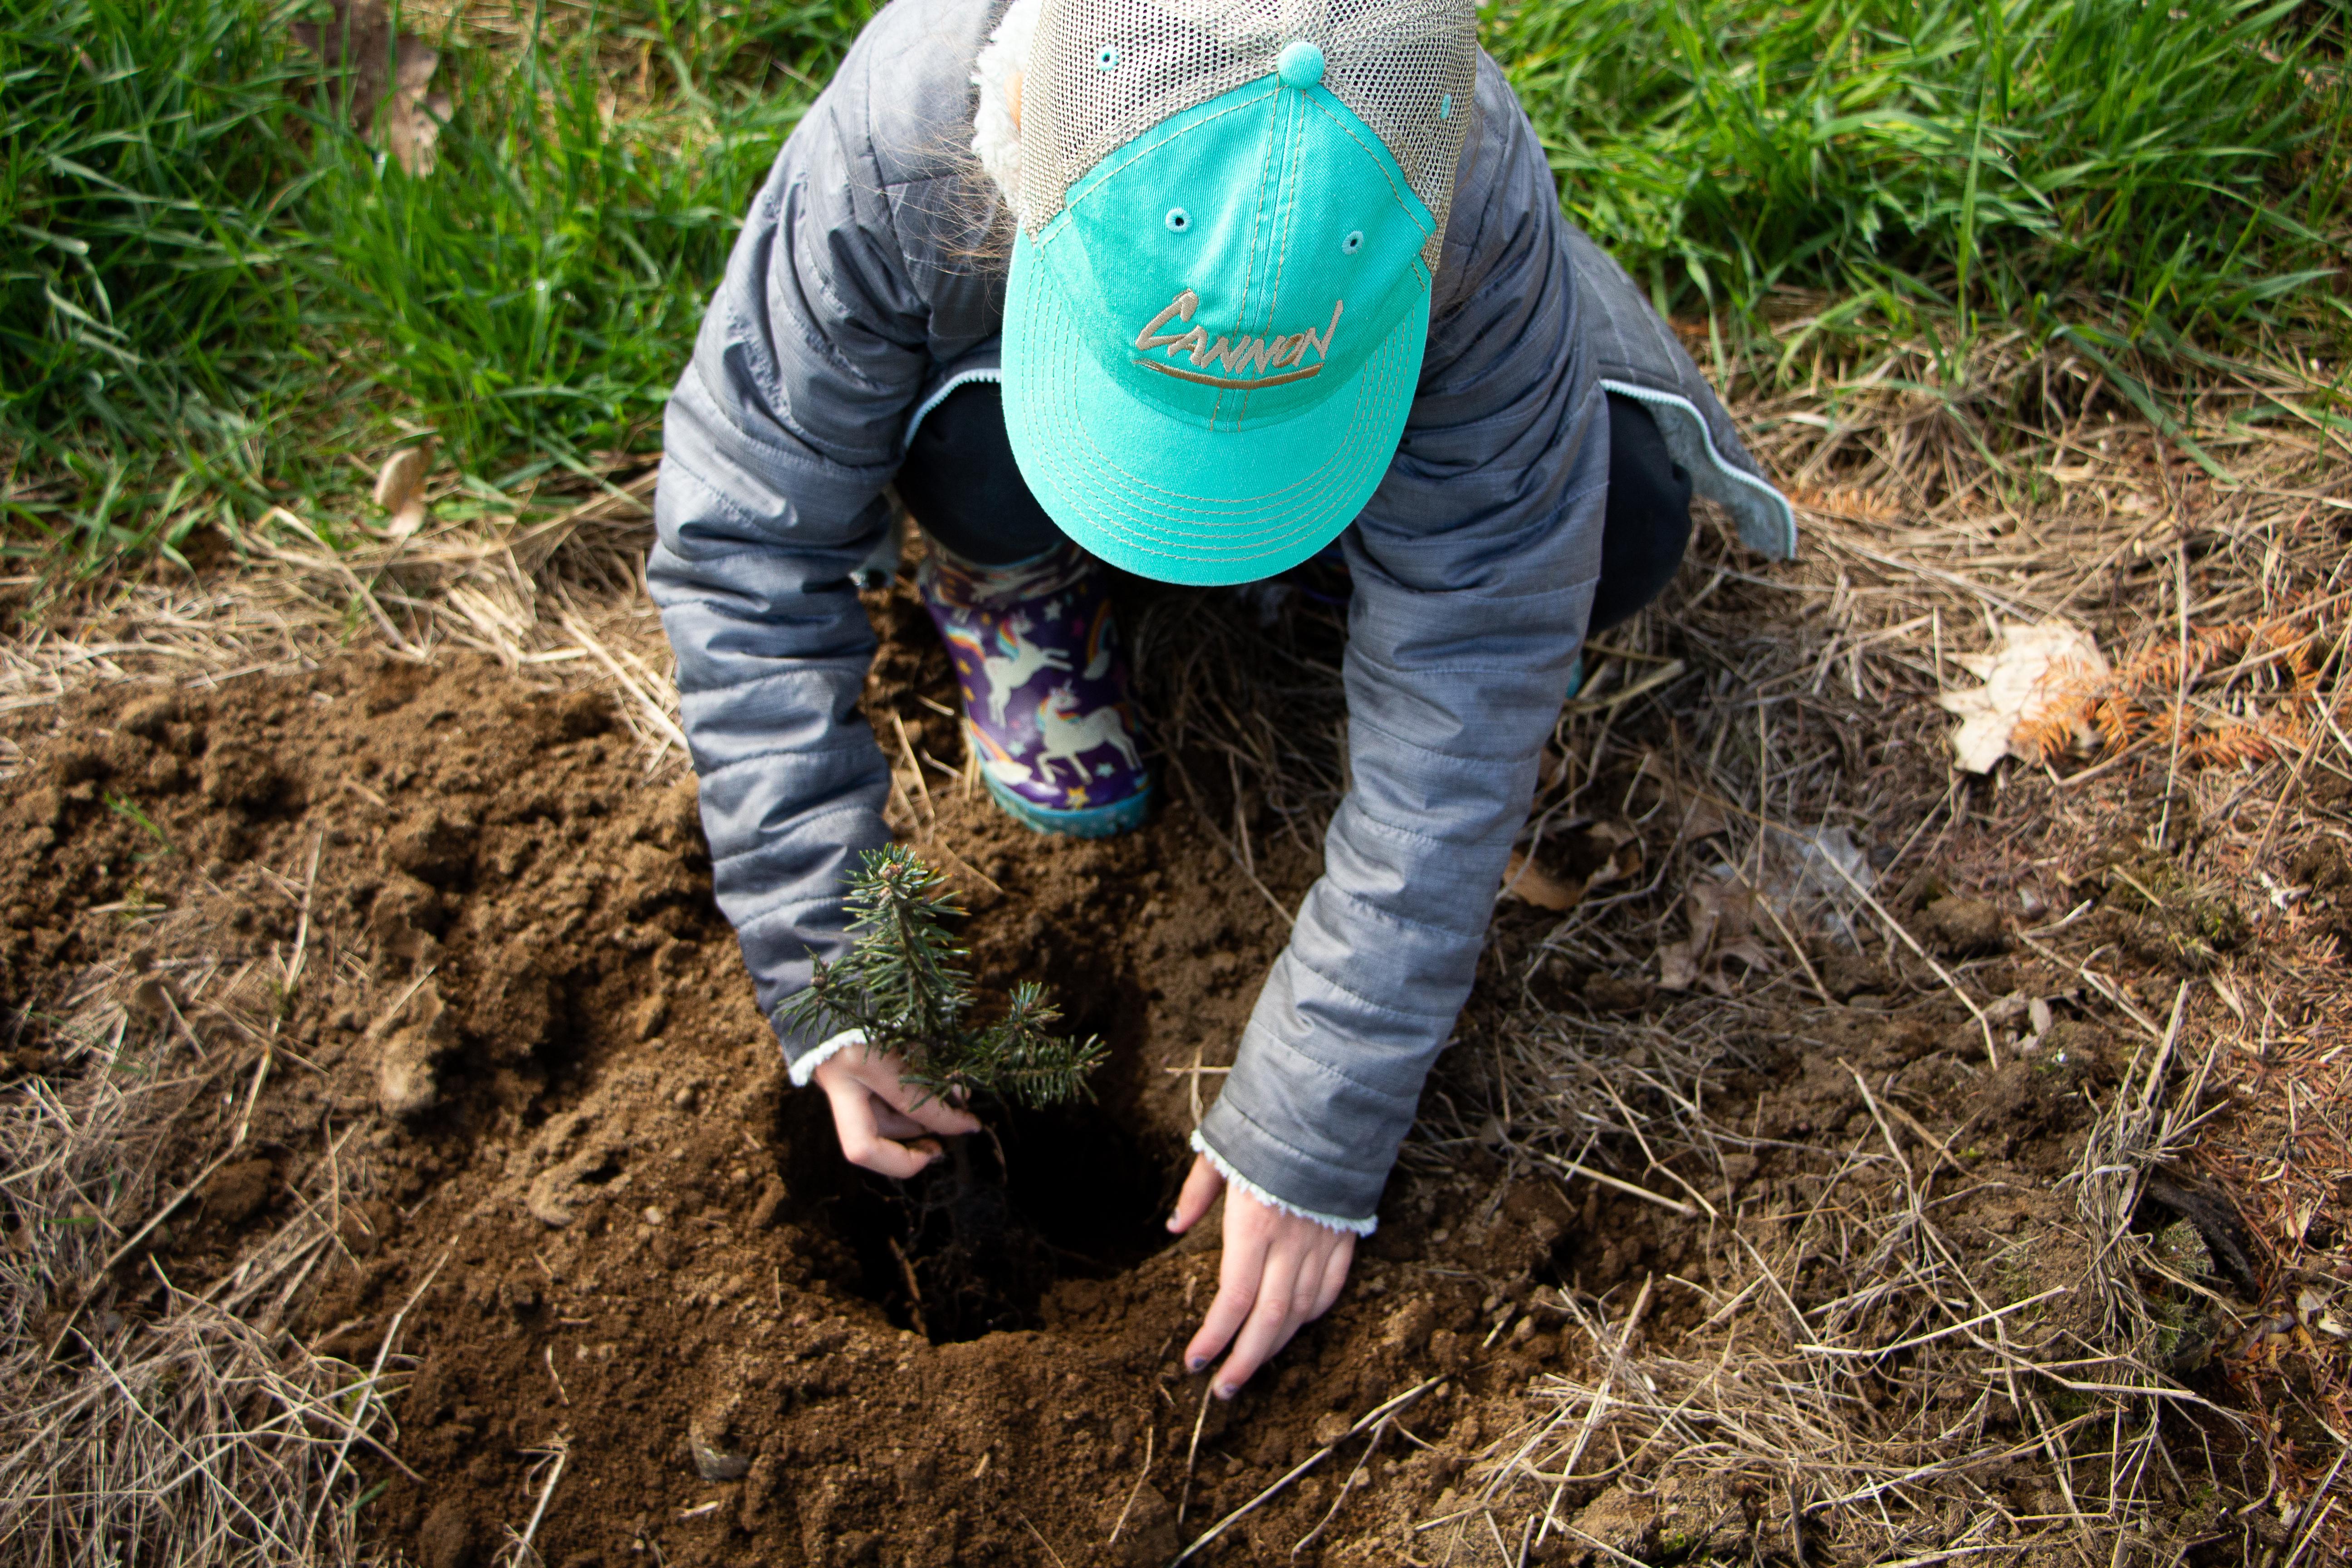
(1046, 704)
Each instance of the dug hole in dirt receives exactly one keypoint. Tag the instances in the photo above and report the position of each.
(438, 951)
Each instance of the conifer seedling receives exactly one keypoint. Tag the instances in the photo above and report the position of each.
(902, 984)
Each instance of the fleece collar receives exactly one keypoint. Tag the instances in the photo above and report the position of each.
(995, 128)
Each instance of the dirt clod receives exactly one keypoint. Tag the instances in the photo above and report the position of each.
(149, 718)
(1962, 928)
(432, 846)
(413, 1037)
(447, 1538)
(235, 1192)
(1612, 994)
(709, 1438)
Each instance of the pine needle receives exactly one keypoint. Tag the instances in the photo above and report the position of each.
(903, 987)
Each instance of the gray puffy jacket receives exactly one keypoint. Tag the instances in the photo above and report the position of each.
(852, 304)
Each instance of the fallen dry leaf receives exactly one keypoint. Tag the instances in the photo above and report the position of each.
(411, 122)
(1722, 916)
(2033, 668)
(1527, 882)
(1617, 845)
(357, 40)
(1701, 818)
(1726, 906)
(400, 489)
(1600, 853)
(388, 85)
(1697, 815)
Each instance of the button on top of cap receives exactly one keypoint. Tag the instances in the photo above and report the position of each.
(1300, 64)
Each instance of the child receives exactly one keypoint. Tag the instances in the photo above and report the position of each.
(1194, 288)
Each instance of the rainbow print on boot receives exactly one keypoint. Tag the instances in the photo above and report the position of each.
(1046, 700)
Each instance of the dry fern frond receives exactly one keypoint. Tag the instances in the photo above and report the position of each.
(2047, 734)
(2272, 673)
(2113, 718)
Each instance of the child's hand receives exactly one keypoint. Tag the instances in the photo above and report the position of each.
(881, 1118)
(1279, 1272)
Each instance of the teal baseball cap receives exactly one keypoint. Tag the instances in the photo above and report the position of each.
(1230, 219)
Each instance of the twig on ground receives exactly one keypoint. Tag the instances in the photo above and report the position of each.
(982, 878)
(1378, 1411)
(1040, 1534)
(1346, 1487)
(1192, 1448)
(558, 1449)
(922, 785)
(1673, 1205)
(1150, 1434)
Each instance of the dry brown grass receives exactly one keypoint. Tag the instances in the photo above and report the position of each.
(563, 596)
(1852, 1366)
(190, 1426)
(1858, 1381)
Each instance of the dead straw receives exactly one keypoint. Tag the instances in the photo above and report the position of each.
(1378, 1413)
(1039, 1536)
(557, 1452)
(1192, 1448)
(1896, 1368)
(1891, 1374)
(192, 1427)
(1150, 1434)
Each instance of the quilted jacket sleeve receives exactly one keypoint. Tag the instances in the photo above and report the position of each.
(777, 443)
(1473, 567)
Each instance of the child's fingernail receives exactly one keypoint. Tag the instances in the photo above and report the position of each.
(1226, 1391)
(1194, 1363)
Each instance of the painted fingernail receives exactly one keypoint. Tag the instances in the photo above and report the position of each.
(1226, 1391)
(1194, 1363)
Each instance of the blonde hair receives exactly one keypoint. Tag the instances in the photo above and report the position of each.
(988, 164)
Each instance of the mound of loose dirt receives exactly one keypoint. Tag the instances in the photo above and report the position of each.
(512, 1018)
(574, 1124)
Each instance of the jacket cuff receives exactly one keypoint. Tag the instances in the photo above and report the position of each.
(802, 1068)
(1234, 1178)
(1264, 1132)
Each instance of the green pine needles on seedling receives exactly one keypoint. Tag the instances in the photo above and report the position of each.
(901, 984)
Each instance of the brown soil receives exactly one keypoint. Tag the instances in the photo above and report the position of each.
(559, 1128)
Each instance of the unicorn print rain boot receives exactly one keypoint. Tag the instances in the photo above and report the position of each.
(1046, 702)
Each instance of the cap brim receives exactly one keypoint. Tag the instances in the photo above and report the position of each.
(1165, 498)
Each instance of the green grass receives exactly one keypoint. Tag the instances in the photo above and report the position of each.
(213, 297)
(2157, 174)
(536, 296)
(214, 294)
(149, 161)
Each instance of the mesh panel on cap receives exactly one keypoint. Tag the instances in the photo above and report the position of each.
(1102, 72)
